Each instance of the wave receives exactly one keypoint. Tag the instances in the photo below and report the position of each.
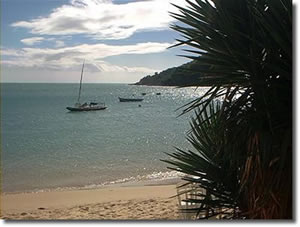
(153, 178)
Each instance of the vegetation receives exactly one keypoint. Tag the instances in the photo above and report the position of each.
(183, 75)
(242, 127)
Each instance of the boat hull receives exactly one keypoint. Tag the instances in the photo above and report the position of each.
(130, 100)
(92, 108)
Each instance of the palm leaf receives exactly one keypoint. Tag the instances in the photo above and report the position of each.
(242, 50)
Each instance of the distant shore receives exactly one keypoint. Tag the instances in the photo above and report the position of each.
(147, 201)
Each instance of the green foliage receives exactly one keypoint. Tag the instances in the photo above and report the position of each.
(211, 167)
(243, 50)
(183, 75)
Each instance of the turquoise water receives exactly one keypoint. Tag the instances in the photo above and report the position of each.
(46, 147)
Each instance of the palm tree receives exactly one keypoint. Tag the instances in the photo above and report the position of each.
(243, 147)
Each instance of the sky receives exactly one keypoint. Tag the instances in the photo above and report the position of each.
(120, 41)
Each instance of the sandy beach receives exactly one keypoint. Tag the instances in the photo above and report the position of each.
(107, 203)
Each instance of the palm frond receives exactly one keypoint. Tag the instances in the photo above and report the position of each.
(242, 50)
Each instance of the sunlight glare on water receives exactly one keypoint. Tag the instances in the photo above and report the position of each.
(45, 146)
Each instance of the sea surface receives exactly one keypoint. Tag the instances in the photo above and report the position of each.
(46, 147)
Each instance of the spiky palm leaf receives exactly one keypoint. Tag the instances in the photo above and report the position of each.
(243, 50)
(209, 166)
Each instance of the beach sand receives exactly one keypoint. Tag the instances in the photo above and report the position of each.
(138, 202)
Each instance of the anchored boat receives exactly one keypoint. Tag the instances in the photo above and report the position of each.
(130, 99)
(85, 106)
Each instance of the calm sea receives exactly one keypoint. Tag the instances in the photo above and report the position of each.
(46, 147)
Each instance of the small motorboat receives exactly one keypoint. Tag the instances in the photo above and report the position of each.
(130, 99)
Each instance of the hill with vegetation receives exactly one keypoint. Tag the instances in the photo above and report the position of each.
(184, 75)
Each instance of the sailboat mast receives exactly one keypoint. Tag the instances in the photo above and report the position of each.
(78, 100)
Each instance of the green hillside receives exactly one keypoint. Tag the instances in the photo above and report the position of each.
(184, 75)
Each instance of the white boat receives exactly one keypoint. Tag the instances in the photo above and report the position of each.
(91, 106)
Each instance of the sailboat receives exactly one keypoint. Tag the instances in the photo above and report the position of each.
(85, 106)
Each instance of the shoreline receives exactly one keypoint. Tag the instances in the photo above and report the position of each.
(145, 200)
(155, 178)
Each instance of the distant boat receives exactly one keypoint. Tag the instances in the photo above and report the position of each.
(130, 99)
(158, 93)
(143, 93)
(85, 106)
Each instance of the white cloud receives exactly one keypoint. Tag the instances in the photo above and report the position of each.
(70, 58)
(103, 19)
(37, 40)
(107, 67)
(11, 52)
(33, 40)
(59, 43)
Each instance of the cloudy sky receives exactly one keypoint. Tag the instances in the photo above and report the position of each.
(120, 40)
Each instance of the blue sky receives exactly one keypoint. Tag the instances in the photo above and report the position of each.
(120, 40)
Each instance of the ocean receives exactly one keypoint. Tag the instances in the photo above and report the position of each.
(46, 147)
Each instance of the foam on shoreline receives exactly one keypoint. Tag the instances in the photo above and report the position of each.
(155, 178)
